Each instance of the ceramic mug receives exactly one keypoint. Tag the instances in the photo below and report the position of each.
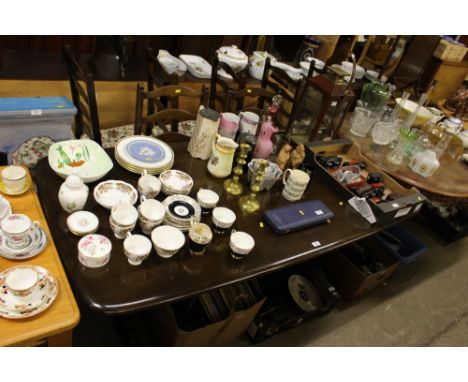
(150, 214)
(248, 122)
(16, 228)
(167, 240)
(148, 185)
(223, 218)
(241, 244)
(200, 236)
(207, 200)
(123, 219)
(228, 125)
(22, 281)
(14, 178)
(136, 248)
(295, 183)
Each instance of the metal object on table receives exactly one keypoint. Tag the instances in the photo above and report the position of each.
(249, 203)
(232, 186)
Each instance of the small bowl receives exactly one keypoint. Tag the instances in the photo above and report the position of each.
(207, 199)
(112, 192)
(223, 218)
(94, 250)
(82, 223)
(167, 240)
(136, 248)
(175, 182)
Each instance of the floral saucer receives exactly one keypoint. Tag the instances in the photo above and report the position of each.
(37, 241)
(6, 191)
(111, 192)
(40, 299)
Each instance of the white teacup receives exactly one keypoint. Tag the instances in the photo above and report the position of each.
(241, 244)
(151, 214)
(207, 200)
(123, 219)
(223, 219)
(14, 178)
(16, 228)
(136, 248)
(295, 182)
(21, 281)
(149, 185)
(248, 122)
(167, 240)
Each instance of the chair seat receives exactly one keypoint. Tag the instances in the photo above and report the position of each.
(31, 151)
(184, 128)
(111, 136)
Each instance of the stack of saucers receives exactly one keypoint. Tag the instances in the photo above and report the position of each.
(27, 290)
(180, 211)
(175, 182)
(139, 152)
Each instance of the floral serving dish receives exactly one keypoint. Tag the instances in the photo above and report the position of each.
(233, 56)
(111, 192)
(171, 64)
(82, 157)
(175, 182)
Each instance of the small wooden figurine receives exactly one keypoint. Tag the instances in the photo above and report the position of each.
(282, 160)
(297, 156)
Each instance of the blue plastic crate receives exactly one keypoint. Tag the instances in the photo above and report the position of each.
(409, 246)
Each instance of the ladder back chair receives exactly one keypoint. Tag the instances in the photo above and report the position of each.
(163, 117)
(239, 96)
(84, 98)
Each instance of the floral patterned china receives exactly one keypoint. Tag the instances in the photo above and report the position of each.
(36, 242)
(181, 210)
(94, 250)
(175, 182)
(82, 157)
(82, 223)
(16, 228)
(136, 248)
(26, 291)
(167, 240)
(171, 64)
(111, 192)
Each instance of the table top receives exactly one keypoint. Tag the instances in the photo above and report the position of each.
(63, 315)
(120, 287)
(450, 179)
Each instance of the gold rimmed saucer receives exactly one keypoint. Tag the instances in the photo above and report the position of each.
(6, 191)
(139, 170)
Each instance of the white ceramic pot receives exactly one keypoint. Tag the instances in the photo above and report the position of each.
(233, 56)
(424, 163)
(136, 248)
(257, 64)
(82, 223)
(167, 240)
(73, 194)
(94, 250)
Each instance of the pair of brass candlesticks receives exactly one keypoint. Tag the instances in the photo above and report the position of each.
(248, 203)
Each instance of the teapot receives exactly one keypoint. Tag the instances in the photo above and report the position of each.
(222, 156)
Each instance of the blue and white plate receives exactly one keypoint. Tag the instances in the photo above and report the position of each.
(145, 151)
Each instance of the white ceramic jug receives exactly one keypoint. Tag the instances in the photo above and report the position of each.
(73, 194)
(220, 163)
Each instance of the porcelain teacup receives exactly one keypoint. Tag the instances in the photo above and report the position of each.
(167, 240)
(14, 178)
(248, 122)
(136, 248)
(16, 228)
(295, 183)
(207, 200)
(223, 219)
(149, 185)
(22, 281)
(200, 236)
(151, 214)
(123, 219)
(241, 244)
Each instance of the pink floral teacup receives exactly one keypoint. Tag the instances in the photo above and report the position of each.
(16, 228)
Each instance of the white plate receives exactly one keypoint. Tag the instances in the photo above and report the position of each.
(111, 192)
(171, 64)
(197, 66)
(14, 308)
(37, 241)
(304, 293)
(82, 223)
(132, 151)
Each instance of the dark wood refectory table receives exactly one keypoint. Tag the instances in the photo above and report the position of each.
(119, 287)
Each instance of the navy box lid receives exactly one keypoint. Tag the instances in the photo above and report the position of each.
(35, 107)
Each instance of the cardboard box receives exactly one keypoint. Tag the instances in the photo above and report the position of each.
(410, 201)
(350, 281)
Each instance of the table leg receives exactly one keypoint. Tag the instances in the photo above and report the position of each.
(61, 340)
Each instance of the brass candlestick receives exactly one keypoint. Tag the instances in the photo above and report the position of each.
(249, 203)
(232, 185)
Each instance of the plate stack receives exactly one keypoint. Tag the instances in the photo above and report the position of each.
(180, 210)
(139, 152)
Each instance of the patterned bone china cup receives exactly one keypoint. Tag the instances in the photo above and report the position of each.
(21, 281)
(123, 219)
(241, 244)
(14, 178)
(151, 214)
(223, 219)
(149, 185)
(136, 248)
(16, 228)
(207, 200)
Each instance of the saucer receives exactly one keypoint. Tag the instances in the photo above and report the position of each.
(37, 241)
(14, 307)
(5, 191)
(304, 293)
(180, 209)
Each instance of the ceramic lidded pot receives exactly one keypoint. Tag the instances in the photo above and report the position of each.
(424, 163)
(233, 56)
(94, 250)
(73, 194)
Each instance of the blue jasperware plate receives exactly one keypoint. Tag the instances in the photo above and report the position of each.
(149, 152)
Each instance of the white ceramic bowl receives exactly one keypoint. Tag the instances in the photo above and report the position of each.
(175, 182)
(94, 250)
(408, 107)
(348, 68)
(111, 192)
(167, 240)
(207, 198)
(81, 156)
(82, 223)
